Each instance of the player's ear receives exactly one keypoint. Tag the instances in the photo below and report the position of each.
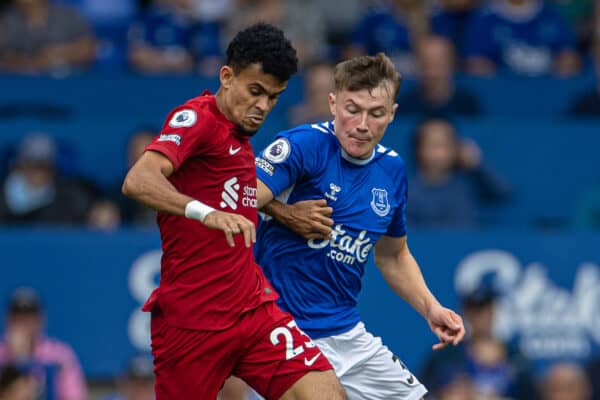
(394, 108)
(226, 75)
(331, 98)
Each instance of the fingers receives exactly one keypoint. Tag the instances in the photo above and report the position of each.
(324, 220)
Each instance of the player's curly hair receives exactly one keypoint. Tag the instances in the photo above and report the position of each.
(265, 44)
(366, 72)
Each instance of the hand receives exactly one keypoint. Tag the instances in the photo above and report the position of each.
(469, 154)
(310, 219)
(447, 326)
(231, 224)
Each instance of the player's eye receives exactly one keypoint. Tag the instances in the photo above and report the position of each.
(352, 110)
(254, 91)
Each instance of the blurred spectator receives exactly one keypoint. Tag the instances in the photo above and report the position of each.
(579, 15)
(339, 22)
(36, 192)
(451, 20)
(318, 83)
(436, 92)
(593, 375)
(39, 36)
(565, 381)
(494, 369)
(588, 103)
(17, 385)
(213, 10)
(451, 183)
(110, 20)
(132, 212)
(301, 21)
(137, 383)
(51, 362)
(527, 37)
(167, 40)
(393, 30)
(458, 386)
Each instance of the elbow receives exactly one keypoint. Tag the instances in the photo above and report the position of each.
(130, 188)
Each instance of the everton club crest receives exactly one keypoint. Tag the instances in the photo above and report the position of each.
(380, 203)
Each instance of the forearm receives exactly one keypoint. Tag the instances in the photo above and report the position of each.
(403, 275)
(277, 210)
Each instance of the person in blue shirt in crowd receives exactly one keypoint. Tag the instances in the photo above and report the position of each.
(494, 369)
(392, 29)
(436, 92)
(166, 39)
(357, 186)
(587, 104)
(526, 37)
(451, 20)
(451, 184)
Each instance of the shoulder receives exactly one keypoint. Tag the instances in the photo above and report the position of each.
(55, 349)
(390, 160)
(194, 113)
(310, 135)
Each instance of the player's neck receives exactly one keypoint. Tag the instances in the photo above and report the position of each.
(222, 105)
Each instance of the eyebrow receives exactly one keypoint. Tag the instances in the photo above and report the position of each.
(352, 102)
(261, 87)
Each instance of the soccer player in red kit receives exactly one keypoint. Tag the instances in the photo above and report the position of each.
(214, 313)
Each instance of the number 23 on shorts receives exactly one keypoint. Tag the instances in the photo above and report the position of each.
(292, 351)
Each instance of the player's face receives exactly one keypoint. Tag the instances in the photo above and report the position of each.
(249, 95)
(361, 117)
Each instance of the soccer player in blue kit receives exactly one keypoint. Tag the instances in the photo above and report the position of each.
(318, 274)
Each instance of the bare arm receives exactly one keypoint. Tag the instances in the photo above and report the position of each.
(147, 183)
(403, 275)
(307, 218)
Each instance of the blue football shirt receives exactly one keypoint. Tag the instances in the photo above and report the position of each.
(319, 280)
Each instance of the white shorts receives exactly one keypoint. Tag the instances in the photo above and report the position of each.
(367, 369)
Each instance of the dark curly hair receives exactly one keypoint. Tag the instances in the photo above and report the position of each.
(265, 44)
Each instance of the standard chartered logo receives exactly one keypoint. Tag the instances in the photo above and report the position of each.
(230, 195)
(343, 247)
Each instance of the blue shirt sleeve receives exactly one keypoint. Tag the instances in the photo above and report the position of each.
(480, 42)
(397, 227)
(285, 161)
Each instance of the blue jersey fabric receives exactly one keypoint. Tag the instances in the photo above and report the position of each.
(319, 280)
(525, 46)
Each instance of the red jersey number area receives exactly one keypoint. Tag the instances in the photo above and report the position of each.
(265, 348)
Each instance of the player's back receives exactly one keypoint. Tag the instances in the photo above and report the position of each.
(319, 280)
(205, 283)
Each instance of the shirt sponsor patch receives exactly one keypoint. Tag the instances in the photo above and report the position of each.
(278, 151)
(183, 119)
(265, 166)
(170, 138)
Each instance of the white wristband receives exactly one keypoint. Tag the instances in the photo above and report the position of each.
(197, 210)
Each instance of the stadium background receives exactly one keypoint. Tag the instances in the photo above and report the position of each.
(93, 281)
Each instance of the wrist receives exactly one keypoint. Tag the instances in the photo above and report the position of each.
(197, 210)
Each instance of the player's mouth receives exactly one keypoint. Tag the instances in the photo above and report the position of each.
(255, 119)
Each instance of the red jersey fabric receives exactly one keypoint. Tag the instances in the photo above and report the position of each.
(205, 284)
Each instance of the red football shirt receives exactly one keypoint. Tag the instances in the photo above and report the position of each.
(205, 284)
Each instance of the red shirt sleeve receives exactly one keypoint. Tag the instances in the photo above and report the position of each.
(187, 131)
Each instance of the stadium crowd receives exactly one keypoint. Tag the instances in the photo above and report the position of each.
(453, 184)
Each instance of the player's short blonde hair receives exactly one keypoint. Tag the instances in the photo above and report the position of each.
(366, 72)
